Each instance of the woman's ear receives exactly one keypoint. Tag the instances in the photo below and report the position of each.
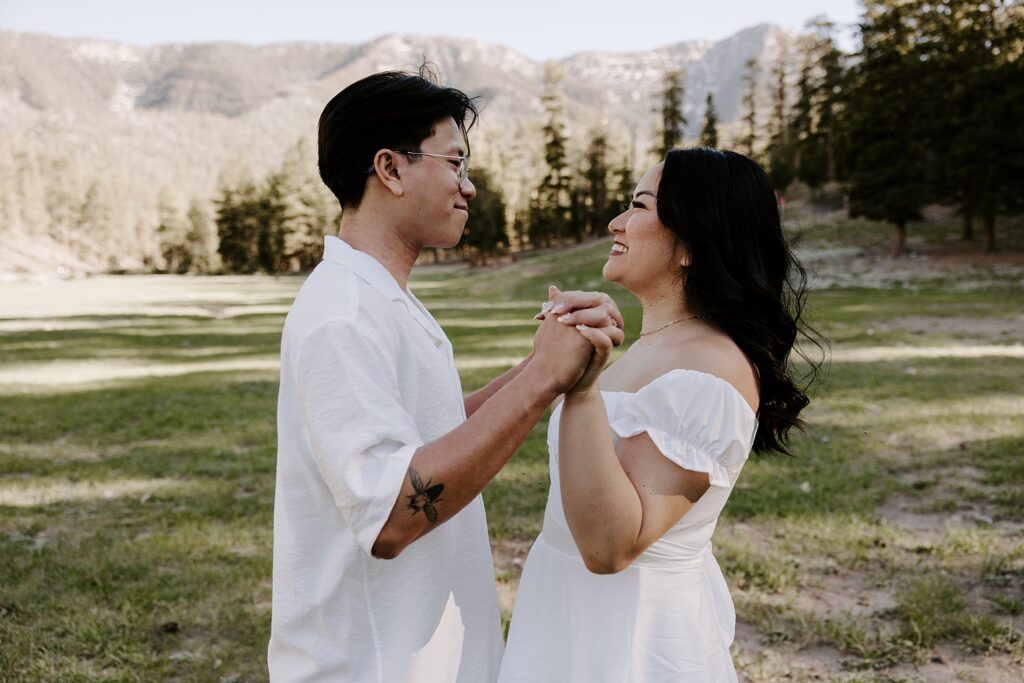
(385, 167)
(684, 255)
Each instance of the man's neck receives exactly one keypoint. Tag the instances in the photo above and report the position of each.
(383, 242)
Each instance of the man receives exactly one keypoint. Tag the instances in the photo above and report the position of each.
(382, 568)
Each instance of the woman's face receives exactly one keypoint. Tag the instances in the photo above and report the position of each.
(645, 255)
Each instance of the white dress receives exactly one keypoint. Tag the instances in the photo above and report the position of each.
(668, 617)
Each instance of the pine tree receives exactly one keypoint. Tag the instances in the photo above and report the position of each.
(829, 100)
(238, 219)
(31, 191)
(309, 210)
(95, 233)
(172, 231)
(780, 149)
(598, 210)
(749, 141)
(549, 211)
(885, 118)
(709, 132)
(808, 148)
(269, 209)
(968, 47)
(623, 184)
(201, 238)
(10, 205)
(673, 121)
(485, 234)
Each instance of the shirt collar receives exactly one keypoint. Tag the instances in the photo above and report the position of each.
(337, 250)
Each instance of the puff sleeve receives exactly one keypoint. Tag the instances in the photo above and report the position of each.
(697, 420)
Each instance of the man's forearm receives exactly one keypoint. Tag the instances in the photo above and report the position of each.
(447, 473)
(479, 397)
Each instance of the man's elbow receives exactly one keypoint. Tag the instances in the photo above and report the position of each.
(388, 545)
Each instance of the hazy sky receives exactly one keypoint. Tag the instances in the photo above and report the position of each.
(540, 29)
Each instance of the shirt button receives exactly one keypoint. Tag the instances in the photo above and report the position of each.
(437, 343)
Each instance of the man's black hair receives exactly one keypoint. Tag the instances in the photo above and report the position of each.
(389, 110)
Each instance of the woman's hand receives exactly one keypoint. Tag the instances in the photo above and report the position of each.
(598, 320)
(603, 345)
(593, 309)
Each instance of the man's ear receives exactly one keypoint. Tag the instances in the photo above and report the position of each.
(385, 167)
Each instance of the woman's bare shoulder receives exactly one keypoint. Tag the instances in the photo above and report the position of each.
(714, 353)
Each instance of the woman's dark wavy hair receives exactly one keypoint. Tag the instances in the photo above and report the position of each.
(388, 110)
(742, 274)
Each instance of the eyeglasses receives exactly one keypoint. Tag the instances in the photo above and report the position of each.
(463, 169)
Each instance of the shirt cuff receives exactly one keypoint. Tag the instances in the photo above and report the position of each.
(391, 481)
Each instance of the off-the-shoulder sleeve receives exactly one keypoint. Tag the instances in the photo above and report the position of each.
(698, 421)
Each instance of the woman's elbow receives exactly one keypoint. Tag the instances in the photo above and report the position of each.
(606, 563)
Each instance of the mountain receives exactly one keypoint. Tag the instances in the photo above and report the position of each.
(78, 115)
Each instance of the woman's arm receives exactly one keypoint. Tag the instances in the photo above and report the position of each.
(617, 500)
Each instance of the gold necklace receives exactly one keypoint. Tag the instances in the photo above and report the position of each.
(669, 324)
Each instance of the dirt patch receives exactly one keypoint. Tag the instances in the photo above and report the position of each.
(948, 665)
(761, 662)
(509, 556)
(968, 328)
(837, 593)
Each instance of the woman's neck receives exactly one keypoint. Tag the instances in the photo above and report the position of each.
(662, 308)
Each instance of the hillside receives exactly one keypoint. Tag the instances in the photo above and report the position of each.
(103, 127)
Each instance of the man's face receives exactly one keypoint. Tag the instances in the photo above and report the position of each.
(437, 204)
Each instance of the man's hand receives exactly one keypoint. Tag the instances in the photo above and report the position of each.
(593, 309)
(560, 354)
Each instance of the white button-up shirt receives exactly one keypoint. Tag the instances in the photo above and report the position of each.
(367, 377)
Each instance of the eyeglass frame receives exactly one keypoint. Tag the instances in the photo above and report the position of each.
(462, 173)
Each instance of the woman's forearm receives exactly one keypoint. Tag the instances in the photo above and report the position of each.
(601, 504)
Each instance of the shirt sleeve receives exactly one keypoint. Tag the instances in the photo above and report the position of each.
(361, 435)
(696, 420)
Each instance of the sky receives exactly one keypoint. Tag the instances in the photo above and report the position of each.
(539, 29)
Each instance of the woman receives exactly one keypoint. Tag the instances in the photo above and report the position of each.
(621, 584)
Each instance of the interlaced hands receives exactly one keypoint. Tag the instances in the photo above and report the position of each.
(596, 317)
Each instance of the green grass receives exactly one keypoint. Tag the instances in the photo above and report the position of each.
(137, 452)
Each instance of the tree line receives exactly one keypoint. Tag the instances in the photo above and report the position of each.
(928, 109)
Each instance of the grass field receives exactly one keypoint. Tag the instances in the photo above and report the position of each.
(137, 446)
